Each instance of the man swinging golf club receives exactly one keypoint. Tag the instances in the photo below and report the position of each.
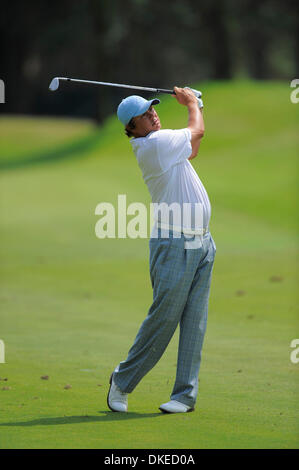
(181, 262)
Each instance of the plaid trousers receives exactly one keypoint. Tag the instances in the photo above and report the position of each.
(181, 278)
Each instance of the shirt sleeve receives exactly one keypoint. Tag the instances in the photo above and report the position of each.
(173, 146)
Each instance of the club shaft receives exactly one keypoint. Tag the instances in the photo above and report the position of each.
(118, 85)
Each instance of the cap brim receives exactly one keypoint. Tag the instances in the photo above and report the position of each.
(149, 104)
(140, 110)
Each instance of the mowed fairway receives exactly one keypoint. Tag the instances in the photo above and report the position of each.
(71, 304)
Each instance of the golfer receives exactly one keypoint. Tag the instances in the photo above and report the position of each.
(181, 261)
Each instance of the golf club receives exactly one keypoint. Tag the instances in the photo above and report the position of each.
(54, 85)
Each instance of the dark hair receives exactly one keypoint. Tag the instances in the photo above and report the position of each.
(131, 125)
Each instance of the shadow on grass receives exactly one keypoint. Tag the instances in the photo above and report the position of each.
(72, 149)
(108, 416)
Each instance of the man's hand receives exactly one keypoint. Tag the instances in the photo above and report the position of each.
(197, 93)
(184, 96)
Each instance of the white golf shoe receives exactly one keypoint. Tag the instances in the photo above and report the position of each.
(174, 406)
(116, 399)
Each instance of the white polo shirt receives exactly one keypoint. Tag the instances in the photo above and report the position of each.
(163, 159)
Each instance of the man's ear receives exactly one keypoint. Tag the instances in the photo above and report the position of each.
(131, 124)
(128, 132)
(129, 127)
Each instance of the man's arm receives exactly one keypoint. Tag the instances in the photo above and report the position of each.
(197, 131)
(195, 120)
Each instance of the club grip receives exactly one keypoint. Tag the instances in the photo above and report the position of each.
(197, 93)
(162, 90)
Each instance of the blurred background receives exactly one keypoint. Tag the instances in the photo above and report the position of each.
(70, 303)
(142, 42)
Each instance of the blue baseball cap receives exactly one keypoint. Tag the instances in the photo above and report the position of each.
(133, 106)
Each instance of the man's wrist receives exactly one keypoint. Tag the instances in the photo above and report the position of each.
(192, 104)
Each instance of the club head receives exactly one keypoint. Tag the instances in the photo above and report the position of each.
(54, 84)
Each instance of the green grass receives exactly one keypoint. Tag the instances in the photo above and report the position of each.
(21, 135)
(71, 304)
